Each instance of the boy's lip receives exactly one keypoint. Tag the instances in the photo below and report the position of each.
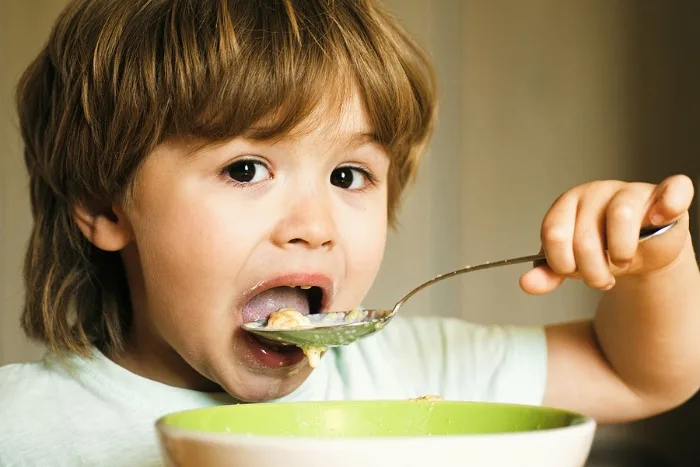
(261, 354)
(311, 279)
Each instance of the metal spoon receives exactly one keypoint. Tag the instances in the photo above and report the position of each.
(344, 327)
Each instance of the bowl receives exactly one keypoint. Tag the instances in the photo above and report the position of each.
(375, 433)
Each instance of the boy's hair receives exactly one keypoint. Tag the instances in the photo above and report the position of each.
(118, 77)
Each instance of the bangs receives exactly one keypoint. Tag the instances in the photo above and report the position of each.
(260, 69)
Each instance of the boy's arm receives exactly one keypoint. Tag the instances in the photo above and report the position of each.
(640, 355)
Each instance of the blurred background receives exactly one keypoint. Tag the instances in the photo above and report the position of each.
(536, 96)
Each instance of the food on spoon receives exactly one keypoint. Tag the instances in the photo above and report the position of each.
(287, 318)
(332, 317)
(355, 315)
(290, 318)
(338, 317)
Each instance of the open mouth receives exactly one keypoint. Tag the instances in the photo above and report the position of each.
(306, 297)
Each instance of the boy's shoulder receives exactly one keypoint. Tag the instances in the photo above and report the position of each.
(52, 415)
(25, 388)
(37, 384)
(29, 396)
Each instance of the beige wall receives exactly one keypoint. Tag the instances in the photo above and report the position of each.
(559, 93)
(536, 96)
(544, 111)
(24, 26)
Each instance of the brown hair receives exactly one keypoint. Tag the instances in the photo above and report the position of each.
(118, 77)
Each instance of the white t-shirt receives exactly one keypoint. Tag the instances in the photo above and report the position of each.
(98, 413)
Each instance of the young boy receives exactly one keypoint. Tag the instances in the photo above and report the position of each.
(195, 165)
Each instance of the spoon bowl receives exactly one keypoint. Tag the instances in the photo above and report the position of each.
(324, 332)
(338, 328)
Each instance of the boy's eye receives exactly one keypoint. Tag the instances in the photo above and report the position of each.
(350, 178)
(248, 171)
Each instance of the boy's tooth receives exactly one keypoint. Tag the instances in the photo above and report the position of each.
(305, 287)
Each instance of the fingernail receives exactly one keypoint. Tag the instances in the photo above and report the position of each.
(609, 286)
(656, 218)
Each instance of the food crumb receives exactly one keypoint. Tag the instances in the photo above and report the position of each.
(313, 353)
(427, 398)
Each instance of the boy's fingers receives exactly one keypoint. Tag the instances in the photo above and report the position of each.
(623, 220)
(589, 238)
(673, 197)
(540, 280)
(557, 235)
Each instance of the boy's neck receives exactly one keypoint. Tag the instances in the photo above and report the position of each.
(162, 364)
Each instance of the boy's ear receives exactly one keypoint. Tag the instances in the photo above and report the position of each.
(105, 225)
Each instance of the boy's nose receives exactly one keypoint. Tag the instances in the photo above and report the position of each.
(308, 222)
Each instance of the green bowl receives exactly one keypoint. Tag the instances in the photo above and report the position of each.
(347, 433)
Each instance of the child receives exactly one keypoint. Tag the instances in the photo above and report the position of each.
(195, 165)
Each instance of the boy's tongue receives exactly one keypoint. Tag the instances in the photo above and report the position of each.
(262, 305)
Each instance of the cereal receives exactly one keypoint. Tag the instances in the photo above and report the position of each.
(289, 318)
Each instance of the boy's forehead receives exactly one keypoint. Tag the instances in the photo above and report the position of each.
(333, 123)
(344, 122)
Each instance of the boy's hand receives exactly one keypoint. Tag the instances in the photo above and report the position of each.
(590, 218)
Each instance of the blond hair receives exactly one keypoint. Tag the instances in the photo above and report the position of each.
(118, 77)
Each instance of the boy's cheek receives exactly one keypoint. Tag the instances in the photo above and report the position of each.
(188, 281)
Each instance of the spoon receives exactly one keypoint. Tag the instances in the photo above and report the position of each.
(338, 328)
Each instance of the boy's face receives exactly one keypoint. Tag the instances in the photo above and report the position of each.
(219, 234)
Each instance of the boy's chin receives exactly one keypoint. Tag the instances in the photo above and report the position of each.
(270, 384)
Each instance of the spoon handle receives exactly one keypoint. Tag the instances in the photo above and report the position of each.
(644, 234)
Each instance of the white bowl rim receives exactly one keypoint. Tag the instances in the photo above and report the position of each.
(292, 442)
